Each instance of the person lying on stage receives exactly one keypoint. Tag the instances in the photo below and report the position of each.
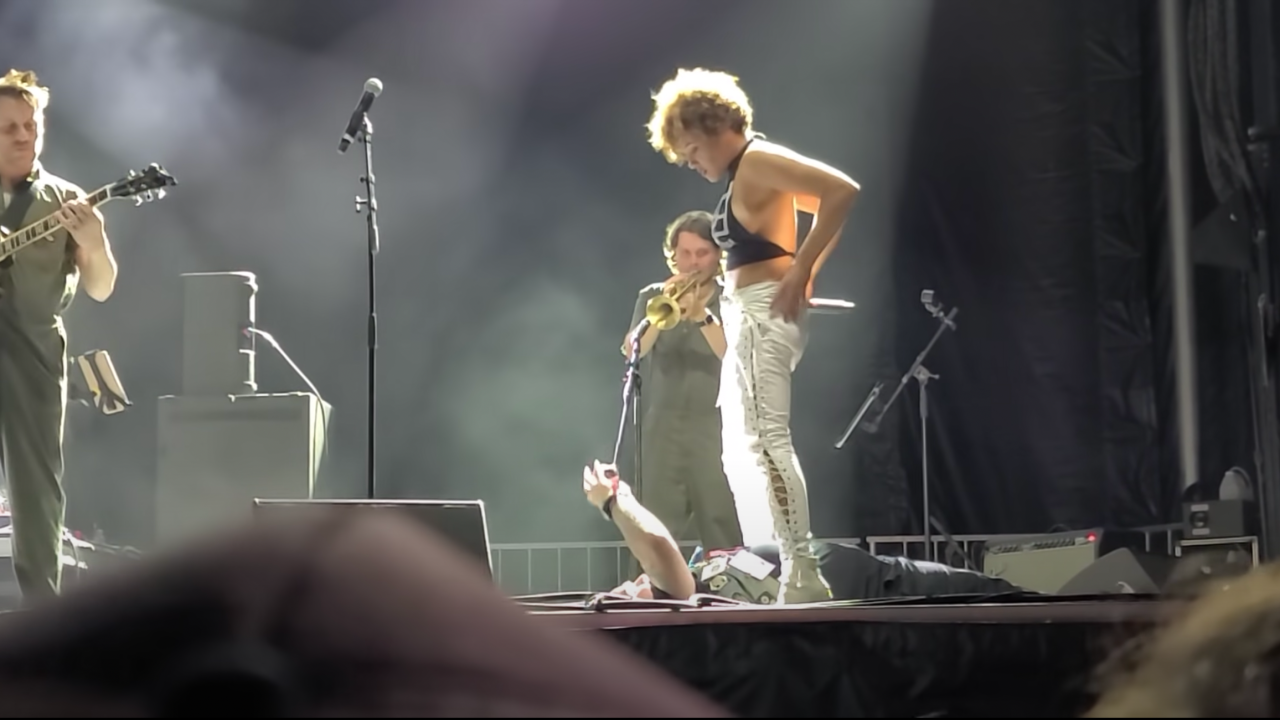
(753, 574)
(703, 120)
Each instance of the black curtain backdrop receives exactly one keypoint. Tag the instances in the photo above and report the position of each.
(1034, 202)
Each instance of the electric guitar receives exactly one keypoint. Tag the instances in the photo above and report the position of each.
(144, 186)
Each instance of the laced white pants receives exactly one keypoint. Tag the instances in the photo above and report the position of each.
(755, 409)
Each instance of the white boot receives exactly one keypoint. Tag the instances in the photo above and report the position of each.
(802, 582)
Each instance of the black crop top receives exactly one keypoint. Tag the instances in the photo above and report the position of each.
(741, 246)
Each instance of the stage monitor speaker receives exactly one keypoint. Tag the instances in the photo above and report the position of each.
(1123, 571)
(461, 521)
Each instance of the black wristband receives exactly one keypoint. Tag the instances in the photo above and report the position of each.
(606, 508)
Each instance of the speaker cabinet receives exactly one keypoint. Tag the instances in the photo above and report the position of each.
(460, 521)
(217, 350)
(217, 453)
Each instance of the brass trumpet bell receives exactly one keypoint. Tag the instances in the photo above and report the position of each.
(663, 311)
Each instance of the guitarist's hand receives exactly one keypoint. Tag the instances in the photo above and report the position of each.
(84, 222)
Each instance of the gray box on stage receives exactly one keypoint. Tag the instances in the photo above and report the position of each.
(217, 454)
(217, 349)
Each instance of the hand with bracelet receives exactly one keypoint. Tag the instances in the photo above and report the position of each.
(602, 485)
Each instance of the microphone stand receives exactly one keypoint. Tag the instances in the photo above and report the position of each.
(922, 376)
(369, 204)
(631, 401)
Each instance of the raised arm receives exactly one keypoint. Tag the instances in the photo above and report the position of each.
(646, 537)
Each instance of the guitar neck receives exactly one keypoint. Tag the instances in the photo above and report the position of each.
(43, 228)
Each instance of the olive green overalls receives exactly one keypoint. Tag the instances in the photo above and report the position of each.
(683, 480)
(35, 289)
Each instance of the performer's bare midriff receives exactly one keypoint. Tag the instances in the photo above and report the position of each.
(703, 120)
(769, 214)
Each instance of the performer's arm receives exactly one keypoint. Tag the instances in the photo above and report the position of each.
(651, 543)
(645, 535)
(650, 336)
(98, 269)
(826, 252)
(808, 204)
(713, 331)
(93, 256)
(807, 179)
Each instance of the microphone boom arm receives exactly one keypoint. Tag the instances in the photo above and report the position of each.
(947, 322)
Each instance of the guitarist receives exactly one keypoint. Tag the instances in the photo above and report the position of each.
(37, 285)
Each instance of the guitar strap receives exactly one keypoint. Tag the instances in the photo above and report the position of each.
(11, 218)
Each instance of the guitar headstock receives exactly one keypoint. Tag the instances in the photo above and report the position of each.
(142, 186)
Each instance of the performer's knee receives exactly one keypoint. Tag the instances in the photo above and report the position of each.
(775, 439)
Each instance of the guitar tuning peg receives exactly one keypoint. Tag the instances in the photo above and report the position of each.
(137, 202)
(160, 194)
(133, 173)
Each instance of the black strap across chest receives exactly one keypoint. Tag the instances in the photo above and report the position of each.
(11, 219)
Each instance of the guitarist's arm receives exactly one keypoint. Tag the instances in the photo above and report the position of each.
(93, 254)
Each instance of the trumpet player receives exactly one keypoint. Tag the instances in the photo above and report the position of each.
(684, 483)
(703, 119)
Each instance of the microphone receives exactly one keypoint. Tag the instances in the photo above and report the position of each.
(372, 89)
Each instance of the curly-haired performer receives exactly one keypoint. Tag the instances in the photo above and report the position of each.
(702, 119)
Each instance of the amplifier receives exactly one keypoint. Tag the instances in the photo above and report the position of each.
(215, 454)
(1044, 563)
(460, 521)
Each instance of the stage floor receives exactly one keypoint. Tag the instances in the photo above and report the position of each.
(999, 656)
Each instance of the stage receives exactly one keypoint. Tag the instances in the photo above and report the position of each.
(998, 656)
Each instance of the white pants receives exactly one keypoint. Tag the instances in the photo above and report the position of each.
(755, 408)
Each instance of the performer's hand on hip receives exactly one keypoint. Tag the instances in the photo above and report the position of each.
(793, 294)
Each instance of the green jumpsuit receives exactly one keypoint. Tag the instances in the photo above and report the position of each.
(683, 480)
(34, 292)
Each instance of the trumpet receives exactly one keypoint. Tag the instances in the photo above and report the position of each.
(663, 310)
